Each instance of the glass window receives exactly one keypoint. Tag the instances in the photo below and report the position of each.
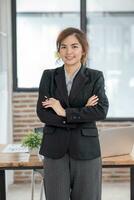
(111, 34)
(110, 30)
(38, 25)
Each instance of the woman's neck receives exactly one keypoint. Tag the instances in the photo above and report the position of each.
(71, 69)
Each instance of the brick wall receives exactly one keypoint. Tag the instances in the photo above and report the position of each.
(24, 114)
(25, 119)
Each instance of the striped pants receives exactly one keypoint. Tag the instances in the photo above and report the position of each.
(67, 178)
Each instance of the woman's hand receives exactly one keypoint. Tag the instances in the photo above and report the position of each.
(92, 101)
(55, 105)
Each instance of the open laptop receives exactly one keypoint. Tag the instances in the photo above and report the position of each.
(116, 141)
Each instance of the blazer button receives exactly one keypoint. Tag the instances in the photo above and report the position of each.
(64, 122)
(74, 117)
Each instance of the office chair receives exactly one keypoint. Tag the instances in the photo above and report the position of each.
(37, 171)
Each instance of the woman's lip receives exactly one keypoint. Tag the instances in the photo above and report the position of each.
(69, 58)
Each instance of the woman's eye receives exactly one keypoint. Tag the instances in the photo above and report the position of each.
(62, 47)
(75, 47)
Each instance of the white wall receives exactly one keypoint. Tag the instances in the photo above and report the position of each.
(5, 75)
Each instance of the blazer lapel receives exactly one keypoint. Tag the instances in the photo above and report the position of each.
(78, 83)
(61, 84)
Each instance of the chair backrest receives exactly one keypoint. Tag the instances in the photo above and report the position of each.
(38, 130)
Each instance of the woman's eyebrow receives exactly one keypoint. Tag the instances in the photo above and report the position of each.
(75, 44)
(63, 44)
(71, 44)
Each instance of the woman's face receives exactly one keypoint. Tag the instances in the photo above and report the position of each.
(71, 51)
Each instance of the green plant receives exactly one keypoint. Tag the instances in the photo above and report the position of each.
(32, 140)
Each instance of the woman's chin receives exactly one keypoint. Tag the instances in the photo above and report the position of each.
(70, 62)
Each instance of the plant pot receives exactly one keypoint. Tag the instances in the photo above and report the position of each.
(33, 152)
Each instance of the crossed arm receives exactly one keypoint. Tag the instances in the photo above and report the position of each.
(52, 113)
(57, 107)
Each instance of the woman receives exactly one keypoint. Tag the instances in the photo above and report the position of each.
(71, 99)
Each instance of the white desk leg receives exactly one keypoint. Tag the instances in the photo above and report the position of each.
(41, 190)
(32, 186)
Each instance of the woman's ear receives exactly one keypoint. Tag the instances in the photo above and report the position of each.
(83, 53)
(57, 55)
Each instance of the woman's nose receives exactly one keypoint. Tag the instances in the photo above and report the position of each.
(69, 50)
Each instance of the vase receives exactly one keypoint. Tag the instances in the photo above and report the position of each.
(34, 151)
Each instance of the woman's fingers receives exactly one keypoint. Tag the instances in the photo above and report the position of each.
(92, 101)
(51, 102)
(93, 98)
(47, 103)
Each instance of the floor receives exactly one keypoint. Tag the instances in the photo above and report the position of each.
(110, 191)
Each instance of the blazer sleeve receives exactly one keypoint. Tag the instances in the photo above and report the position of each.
(94, 113)
(47, 115)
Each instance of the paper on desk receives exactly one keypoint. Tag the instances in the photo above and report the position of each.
(15, 148)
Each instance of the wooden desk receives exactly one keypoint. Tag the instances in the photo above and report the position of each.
(124, 161)
(17, 161)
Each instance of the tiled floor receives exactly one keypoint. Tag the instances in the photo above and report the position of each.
(110, 191)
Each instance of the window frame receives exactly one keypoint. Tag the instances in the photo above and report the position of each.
(83, 26)
(14, 43)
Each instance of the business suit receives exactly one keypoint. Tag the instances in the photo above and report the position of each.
(77, 132)
(70, 144)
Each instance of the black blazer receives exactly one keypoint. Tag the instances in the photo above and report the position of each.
(76, 133)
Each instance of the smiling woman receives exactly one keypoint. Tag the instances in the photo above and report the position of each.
(71, 148)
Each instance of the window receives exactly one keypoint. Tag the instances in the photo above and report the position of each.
(110, 30)
(37, 27)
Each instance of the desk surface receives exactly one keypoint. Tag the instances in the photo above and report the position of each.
(24, 160)
(19, 160)
(123, 160)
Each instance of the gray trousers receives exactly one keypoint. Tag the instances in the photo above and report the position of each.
(67, 178)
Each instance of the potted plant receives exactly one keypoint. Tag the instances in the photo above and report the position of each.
(33, 141)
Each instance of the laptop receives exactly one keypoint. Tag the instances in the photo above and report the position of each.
(116, 141)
